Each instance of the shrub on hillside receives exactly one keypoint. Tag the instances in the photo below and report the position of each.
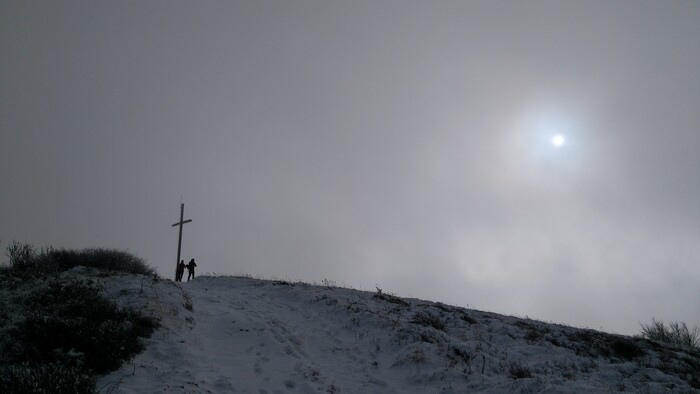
(518, 371)
(49, 379)
(25, 258)
(67, 335)
(109, 259)
(21, 255)
(428, 320)
(676, 333)
(627, 349)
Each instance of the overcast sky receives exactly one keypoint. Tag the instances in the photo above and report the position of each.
(393, 143)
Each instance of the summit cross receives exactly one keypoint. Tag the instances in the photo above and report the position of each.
(179, 240)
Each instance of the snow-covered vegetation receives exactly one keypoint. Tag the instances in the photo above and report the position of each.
(88, 328)
(237, 334)
(58, 331)
(676, 333)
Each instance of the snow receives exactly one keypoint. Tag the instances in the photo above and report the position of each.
(243, 335)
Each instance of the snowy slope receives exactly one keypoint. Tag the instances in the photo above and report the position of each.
(242, 335)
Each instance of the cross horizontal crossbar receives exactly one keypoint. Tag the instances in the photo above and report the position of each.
(183, 222)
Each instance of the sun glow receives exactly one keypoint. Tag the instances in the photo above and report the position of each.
(547, 140)
(558, 140)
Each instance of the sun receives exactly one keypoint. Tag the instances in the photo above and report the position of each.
(558, 140)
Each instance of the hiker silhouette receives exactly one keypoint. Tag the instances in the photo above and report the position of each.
(190, 269)
(180, 271)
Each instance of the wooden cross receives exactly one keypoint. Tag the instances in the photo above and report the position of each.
(179, 240)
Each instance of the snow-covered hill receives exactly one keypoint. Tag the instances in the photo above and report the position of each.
(243, 335)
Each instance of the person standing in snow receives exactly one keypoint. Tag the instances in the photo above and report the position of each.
(190, 269)
(180, 271)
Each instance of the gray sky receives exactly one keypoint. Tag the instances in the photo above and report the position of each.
(393, 143)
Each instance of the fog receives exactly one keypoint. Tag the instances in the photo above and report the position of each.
(398, 144)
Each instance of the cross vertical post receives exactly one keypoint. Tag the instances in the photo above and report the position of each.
(179, 239)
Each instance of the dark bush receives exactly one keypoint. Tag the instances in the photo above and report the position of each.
(517, 371)
(69, 334)
(428, 320)
(108, 259)
(676, 333)
(24, 258)
(533, 335)
(598, 344)
(48, 378)
(626, 349)
(466, 318)
(21, 255)
(391, 299)
(75, 316)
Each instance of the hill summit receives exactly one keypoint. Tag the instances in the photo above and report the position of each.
(244, 335)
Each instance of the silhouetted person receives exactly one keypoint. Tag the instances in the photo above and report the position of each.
(190, 269)
(180, 271)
